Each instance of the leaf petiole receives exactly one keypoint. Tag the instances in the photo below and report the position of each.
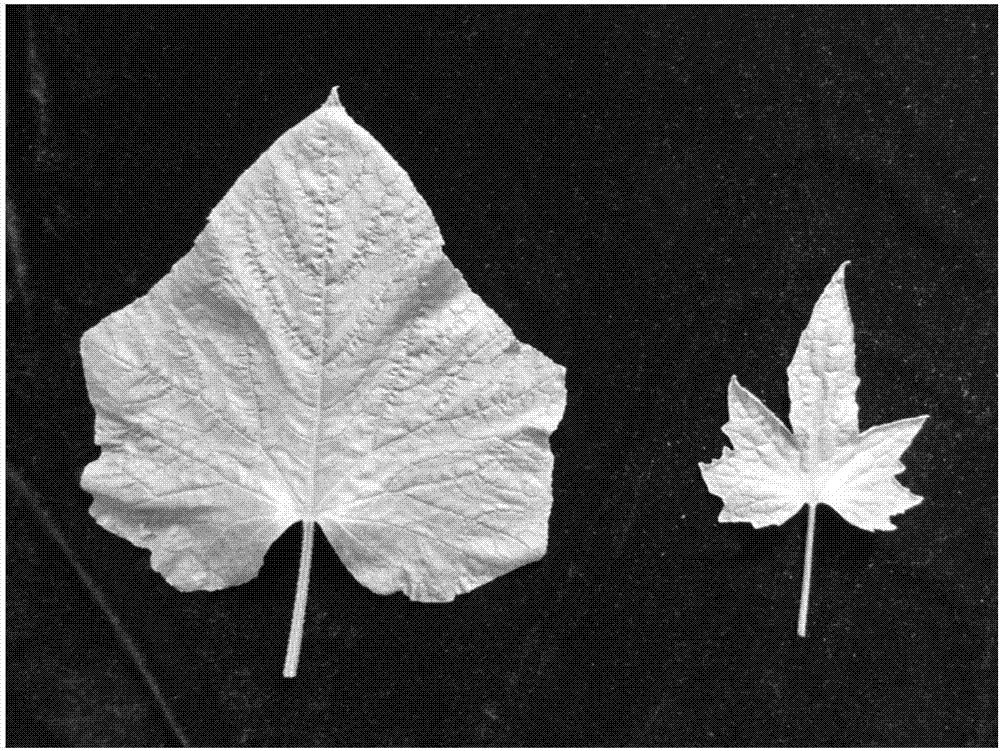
(807, 570)
(299, 609)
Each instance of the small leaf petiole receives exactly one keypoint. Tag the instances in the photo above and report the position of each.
(807, 570)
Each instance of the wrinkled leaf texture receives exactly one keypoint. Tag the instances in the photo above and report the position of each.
(317, 357)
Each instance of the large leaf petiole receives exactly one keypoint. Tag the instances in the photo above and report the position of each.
(299, 609)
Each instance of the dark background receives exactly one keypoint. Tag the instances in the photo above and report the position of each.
(655, 198)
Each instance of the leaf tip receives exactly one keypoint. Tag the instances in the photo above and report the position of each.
(334, 99)
(726, 516)
(733, 391)
(838, 275)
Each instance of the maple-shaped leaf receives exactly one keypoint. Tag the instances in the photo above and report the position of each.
(317, 358)
(771, 473)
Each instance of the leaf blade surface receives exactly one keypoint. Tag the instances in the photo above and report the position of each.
(770, 473)
(317, 357)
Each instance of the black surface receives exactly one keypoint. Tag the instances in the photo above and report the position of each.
(654, 198)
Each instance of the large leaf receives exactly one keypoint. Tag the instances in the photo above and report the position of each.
(316, 357)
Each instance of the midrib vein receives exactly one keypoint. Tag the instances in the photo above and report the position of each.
(318, 405)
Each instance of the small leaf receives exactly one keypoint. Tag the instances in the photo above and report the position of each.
(771, 473)
(316, 357)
